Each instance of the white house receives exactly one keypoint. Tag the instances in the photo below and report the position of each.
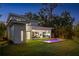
(20, 29)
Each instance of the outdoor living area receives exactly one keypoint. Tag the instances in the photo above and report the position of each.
(41, 32)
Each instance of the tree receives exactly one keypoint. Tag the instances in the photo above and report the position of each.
(29, 15)
(46, 14)
(67, 24)
(49, 10)
(2, 29)
(42, 18)
(63, 25)
(76, 30)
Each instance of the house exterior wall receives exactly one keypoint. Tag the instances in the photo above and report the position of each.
(9, 32)
(17, 33)
(14, 33)
(28, 31)
(16, 29)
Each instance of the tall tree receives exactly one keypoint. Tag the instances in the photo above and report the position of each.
(67, 23)
(42, 18)
(63, 25)
(46, 14)
(49, 9)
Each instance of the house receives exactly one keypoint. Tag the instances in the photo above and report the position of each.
(20, 29)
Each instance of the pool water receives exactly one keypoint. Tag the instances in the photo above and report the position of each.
(53, 40)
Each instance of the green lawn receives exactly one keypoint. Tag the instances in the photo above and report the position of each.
(39, 48)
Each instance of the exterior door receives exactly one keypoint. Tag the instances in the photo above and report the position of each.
(21, 35)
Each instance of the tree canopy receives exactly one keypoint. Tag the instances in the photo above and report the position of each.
(62, 25)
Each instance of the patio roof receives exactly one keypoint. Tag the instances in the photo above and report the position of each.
(41, 28)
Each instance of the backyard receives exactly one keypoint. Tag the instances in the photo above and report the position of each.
(39, 48)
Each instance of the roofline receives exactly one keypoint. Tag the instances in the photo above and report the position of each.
(16, 15)
(42, 27)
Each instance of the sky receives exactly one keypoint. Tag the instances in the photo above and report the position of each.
(21, 8)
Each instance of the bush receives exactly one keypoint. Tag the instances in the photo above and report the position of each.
(10, 42)
(5, 38)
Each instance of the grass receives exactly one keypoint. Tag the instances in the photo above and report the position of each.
(39, 48)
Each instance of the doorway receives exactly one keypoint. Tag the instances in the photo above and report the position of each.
(21, 35)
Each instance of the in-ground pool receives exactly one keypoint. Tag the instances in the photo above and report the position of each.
(52, 40)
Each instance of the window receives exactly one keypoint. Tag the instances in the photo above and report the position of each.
(35, 34)
(44, 34)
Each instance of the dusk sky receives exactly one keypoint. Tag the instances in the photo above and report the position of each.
(21, 8)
